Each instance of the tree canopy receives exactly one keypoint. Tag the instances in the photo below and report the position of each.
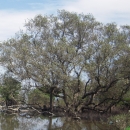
(74, 57)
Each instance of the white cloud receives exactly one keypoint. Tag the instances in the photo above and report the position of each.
(12, 21)
(103, 10)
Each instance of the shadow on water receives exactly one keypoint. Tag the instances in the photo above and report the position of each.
(15, 122)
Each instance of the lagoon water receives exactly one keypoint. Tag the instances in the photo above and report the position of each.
(16, 122)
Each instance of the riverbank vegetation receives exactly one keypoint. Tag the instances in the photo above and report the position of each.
(70, 61)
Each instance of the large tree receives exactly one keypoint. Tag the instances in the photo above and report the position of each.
(74, 57)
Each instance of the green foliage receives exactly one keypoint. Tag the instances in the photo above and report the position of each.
(74, 57)
(127, 97)
(38, 97)
(128, 128)
(9, 88)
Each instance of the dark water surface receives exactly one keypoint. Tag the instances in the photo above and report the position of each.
(16, 122)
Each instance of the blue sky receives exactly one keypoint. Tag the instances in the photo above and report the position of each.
(30, 4)
(14, 13)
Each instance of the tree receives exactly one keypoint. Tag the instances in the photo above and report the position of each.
(9, 90)
(74, 57)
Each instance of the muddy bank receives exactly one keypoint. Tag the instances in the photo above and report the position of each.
(31, 110)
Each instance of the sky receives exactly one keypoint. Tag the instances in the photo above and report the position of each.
(14, 13)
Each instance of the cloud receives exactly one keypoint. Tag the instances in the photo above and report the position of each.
(12, 21)
(103, 10)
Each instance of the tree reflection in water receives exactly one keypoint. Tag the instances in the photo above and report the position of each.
(15, 122)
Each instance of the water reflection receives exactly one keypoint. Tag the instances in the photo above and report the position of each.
(15, 122)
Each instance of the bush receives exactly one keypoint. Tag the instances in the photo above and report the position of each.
(38, 97)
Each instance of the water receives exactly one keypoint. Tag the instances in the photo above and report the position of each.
(16, 122)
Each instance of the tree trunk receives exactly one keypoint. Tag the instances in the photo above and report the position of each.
(6, 102)
(51, 96)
